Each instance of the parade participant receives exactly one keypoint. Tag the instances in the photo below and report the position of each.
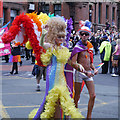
(57, 94)
(15, 57)
(39, 71)
(82, 56)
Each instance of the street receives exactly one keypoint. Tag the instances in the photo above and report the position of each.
(19, 98)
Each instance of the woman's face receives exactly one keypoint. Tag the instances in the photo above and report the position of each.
(59, 39)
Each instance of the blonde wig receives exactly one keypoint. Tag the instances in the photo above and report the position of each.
(56, 26)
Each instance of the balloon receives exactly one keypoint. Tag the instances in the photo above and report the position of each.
(88, 24)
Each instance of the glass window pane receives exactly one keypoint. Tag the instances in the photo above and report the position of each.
(57, 7)
(58, 13)
(45, 9)
(107, 10)
(113, 13)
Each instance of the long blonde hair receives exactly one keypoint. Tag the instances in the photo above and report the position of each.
(56, 26)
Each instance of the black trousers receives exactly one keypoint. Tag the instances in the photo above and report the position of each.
(15, 67)
(105, 67)
(6, 58)
(33, 59)
(27, 54)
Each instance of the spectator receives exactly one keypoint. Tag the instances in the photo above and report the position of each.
(107, 25)
(116, 57)
(94, 43)
(105, 52)
(113, 44)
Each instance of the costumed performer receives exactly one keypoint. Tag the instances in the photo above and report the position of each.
(82, 57)
(57, 97)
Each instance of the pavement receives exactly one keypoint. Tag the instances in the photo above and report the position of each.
(19, 98)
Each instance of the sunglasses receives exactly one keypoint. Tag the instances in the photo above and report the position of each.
(60, 37)
(86, 34)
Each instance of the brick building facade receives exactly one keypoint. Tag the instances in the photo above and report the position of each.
(11, 10)
(96, 12)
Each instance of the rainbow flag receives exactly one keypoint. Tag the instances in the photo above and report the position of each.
(99, 65)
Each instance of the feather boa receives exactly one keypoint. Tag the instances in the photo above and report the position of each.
(34, 17)
(69, 28)
(27, 23)
(43, 17)
(66, 102)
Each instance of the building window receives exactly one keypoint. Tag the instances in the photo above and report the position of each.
(90, 13)
(57, 9)
(45, 8)
(31, 6)
(13, 14)
(113, 13)
(99, 13)
(107, 12)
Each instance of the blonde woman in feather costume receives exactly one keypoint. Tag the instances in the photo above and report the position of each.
(57, 101)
